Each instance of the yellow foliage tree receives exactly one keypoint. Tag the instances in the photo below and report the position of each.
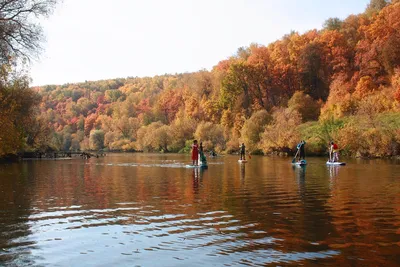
(282, 135)
(308, 108)
(364, 87)
(212, 136)
(253, 128)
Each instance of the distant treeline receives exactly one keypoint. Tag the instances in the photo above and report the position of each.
(341, 83)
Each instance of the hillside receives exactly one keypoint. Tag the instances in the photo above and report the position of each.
(340, 83)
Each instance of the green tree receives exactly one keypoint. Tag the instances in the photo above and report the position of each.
(333, 24)
(113, 95)
(375, 6)
(253, 128)
(96, 140)
(236, 84)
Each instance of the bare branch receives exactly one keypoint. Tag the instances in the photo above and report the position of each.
(20, 34)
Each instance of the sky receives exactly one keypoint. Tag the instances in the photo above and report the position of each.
(103, 39)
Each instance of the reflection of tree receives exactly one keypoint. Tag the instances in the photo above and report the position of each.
(269, 200)
(362, 206)
(15, 207)
(314, 217)
(264, 205)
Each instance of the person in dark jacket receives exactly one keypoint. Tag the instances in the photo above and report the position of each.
(242, 152)
(301, 148)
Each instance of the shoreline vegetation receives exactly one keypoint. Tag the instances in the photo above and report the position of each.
(339, 83)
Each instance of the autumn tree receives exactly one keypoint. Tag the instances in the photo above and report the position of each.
(20, 39)
(127, 127)
(17, 111)
(154, 137)
(211, 135)
(90, 123)
(314, 77)
(396, 84)
(307, 107)
(38, 132)
(391, 53)
(282, 134)
(181, 129)
(169, 103)
(364, 87)
(253, 128)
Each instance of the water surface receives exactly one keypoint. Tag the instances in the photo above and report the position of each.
(149, 210)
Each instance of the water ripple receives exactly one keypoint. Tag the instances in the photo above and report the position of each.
(106, 213)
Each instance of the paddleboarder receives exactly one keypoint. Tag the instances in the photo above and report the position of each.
(195, 153)
(242, 152)
(301, 148)
(203, 159)
(333, 152)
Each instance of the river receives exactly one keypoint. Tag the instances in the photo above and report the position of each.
(149, 210)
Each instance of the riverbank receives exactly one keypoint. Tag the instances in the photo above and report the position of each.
(63, 155)
(54, 155)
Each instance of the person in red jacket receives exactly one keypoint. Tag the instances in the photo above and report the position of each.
(195, 153)
(334, 152)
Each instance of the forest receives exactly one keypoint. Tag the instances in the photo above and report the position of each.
(339, 83)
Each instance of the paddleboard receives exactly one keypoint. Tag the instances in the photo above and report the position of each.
(300, 163)
(242, 161)
(196, 166)
(335, 163)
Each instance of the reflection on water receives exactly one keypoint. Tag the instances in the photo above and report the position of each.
(149, 210)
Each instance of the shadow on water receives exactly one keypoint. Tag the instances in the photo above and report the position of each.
(129, 209)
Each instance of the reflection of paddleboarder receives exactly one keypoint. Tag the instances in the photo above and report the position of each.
(333, 172)
(242, 152)
(242, 171)
(196, 172)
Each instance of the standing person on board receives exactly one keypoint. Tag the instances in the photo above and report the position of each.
(203, 160)
(301, 148)
(195, 153)
(334, 152)
(242, 152)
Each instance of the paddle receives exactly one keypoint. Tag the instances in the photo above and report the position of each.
(294, 159)
(248, 154)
